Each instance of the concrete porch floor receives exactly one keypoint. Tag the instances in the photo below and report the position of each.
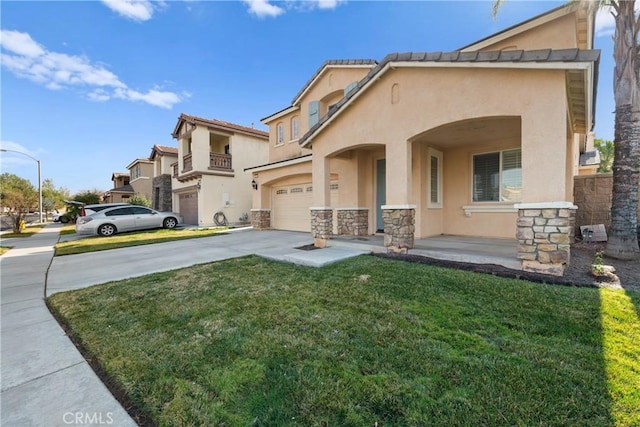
(477, 250)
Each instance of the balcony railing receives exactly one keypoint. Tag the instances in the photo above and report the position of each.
(219, 161)
(187, 162)
(175, 170)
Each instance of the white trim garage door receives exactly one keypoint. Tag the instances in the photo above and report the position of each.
(290, 206)
(189, 207)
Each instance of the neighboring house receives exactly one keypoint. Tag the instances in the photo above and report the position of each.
(121, 190)
(210, 184)
(163, 159)
(141, 176)
(483, 141)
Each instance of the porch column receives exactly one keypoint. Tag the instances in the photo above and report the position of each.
(321, 213)
(399, 227)
(545, 234)
(398, 215)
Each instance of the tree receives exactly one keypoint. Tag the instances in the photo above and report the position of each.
(606, 149)
(140, 200)
(623, 237)
(17, 195)
(88, 197)
(53, 198)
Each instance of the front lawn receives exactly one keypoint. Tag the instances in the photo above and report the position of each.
(251, 342)
(135, 238)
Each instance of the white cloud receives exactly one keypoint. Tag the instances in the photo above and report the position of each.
(328, 4)
(266, 8)
(137, 10)
(605, 23)
(27, 59)
(15, 159)
(262, 8)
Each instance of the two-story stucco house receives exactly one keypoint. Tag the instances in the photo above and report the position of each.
(483, 141)
(141, 176)
(210, 185)
(121, 190)
(163, 159)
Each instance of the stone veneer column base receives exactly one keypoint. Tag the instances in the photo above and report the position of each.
(545, 233)
(353, 221)
(261, 219)
(399, 227)
(321, 226)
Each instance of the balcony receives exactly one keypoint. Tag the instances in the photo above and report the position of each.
(220, 161)
(187, 162)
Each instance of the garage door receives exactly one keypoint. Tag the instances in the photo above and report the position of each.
(291, 203)
(189, 208)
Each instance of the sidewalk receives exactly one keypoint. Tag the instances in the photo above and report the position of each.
(44, 379)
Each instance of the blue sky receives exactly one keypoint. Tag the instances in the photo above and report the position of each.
(89, 86)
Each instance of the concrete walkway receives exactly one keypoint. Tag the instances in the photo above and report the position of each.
(45, 380)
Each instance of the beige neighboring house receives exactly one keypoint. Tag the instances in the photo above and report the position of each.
(484, 141)
(141, 176)
(210, 185)
(163, 159)
(121, 190)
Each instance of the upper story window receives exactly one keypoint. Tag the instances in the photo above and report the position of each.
(135, 172)
(314, 113)
(497, 177)
(279, 134)
(295, 130)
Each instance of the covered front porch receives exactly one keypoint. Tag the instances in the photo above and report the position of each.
(476, 250)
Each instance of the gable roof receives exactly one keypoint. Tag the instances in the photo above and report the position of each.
(119, 175)
(162, 150)
(218, 125)
(531, 23)
(332, 63)
(545, 58)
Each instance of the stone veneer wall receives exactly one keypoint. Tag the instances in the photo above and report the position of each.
(321, 225)
(261, 219)
(399, 228)
(163, 182)
(544, 238)
(353, 222)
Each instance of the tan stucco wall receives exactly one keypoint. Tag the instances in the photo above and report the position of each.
(162, 164)
(430, 98)
(143, 184)
(557, 34)
(328, 89)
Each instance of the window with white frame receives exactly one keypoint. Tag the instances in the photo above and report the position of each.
(497, 176)
(434, 185)
(294, 128)
(280, 133)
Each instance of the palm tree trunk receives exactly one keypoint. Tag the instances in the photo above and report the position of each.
(623, 239)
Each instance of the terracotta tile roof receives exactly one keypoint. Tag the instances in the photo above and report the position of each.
(166, 150)
(221, 125)
(511, 56)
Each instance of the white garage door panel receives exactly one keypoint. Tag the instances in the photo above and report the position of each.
(291, 205)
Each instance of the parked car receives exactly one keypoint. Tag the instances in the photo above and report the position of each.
(77, 209)
(110, 221)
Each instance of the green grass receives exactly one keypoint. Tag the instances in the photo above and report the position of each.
(29, 231)
(4, 249)
(250, 342)
(68, 229)
(137, 238)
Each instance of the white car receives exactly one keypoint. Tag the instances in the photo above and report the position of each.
(108, 222)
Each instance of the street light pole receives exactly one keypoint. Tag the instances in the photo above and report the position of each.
(5, 150)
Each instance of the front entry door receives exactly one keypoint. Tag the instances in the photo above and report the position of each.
(381, 192)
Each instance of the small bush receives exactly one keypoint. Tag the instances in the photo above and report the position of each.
(140, 200)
